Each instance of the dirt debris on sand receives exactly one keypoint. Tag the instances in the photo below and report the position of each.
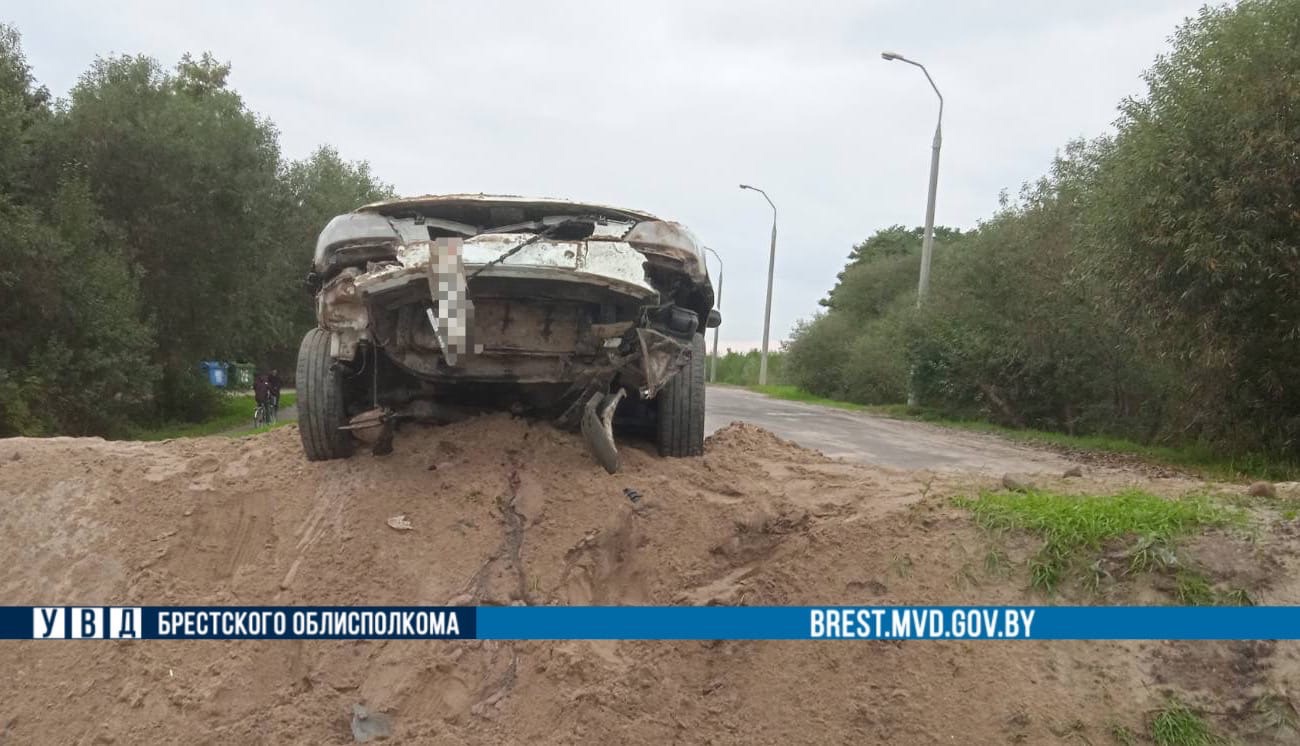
(506, 512)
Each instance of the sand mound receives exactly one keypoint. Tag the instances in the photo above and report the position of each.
(505, 512)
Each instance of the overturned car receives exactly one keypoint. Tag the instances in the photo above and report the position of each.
(440, 307)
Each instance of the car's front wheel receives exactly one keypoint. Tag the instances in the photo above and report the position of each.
(322, 407)
(680, 421)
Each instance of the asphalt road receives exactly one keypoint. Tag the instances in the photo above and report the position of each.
(872, 439)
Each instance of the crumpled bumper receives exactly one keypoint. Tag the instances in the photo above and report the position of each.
(607, 264)
(596, 270)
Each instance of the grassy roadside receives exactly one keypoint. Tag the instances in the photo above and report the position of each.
(1192, 458)
(236, 412)
(1079, 534)
(794, 393)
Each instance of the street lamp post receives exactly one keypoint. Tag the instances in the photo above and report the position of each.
(771, 268)
(927, 242)
(713, 374)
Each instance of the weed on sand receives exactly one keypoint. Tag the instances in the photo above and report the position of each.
(1178, 725)
(1076, 529)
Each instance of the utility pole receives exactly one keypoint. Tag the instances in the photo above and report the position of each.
(771, 269)
(927, 242)
(713, 374)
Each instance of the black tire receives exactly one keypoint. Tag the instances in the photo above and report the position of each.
(322, 409)
(680, 421)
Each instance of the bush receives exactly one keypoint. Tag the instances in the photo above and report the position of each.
(184, 395)
(816, 354)
(876, 367)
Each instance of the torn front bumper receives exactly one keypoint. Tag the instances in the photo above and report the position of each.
(611, 265)
(591, 270)
(492, 309)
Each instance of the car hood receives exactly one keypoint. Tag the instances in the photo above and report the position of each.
(489, 210)
(370, 227)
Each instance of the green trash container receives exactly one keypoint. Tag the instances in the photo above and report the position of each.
(241, 375)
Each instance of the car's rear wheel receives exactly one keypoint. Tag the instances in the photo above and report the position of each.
(322, 406)
(680, 421)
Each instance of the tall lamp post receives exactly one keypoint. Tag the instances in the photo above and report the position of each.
(927, 242)
(713, 373)
(771, 268)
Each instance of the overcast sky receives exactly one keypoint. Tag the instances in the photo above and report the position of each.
(665, 106)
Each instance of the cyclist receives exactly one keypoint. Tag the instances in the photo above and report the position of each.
(262, 394)
(273, 389)
(273, 385)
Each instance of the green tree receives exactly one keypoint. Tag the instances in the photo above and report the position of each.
(1197, 220)
(188, 177)
(1015, 330)
(147, 222)
(73, 347)
(311, 192)
(856, 349)
(24, 107)
(878, 268)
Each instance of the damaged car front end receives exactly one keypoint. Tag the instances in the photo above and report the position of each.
(440, 307)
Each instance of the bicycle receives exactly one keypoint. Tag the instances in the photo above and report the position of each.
(266, 412)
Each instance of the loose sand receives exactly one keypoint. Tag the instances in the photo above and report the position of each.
(505, 512)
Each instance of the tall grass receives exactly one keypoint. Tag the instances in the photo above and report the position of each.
(235, 412)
